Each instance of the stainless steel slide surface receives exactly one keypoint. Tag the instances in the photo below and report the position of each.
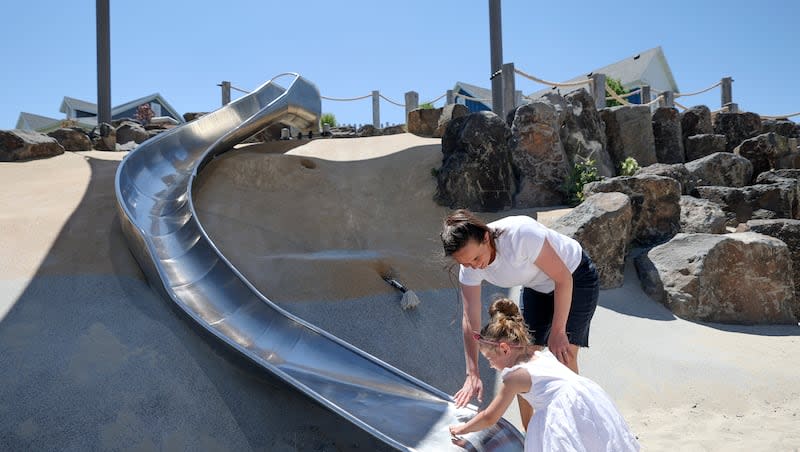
(154, 199)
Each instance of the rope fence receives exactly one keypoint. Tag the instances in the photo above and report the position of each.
(510, 96)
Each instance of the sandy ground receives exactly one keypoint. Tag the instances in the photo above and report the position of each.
(91, 358)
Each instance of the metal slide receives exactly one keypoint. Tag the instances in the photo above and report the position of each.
(154, 200)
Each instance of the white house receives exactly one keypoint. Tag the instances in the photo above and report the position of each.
(645, 68)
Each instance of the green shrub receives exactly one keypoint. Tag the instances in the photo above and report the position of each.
(615, 86)
(328, 118)
(426, 106)
(583, 172)
(628, 167)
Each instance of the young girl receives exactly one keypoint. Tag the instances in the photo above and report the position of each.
(572, 413)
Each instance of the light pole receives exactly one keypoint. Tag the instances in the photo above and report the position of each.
(103, 63)
(496, 48)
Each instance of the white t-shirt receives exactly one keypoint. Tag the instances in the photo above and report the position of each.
(519, 244)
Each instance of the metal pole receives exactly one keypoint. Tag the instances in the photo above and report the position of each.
(103, 62)
(226, 92)
(496, 46)
(376, 110)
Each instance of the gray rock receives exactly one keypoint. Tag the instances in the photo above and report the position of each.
(19, 144)
(722, 168)
(602, 224)
(702, 216)
(667, 135)
(629, 133)
(699, 146)
(72, 139)
(740, 278)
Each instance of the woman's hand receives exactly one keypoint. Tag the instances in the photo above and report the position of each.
(559, 346)
(473, 387)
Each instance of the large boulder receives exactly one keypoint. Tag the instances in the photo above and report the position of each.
(788, 231)
(655, 201)
(667, 135)
(766, 151)
(20, 144)
(128, 131)
(699, 146)
(774, 200)
(737, 127)
(538, 156)
(602, 224)
(629, 133)
(675, 171)
(72, 139)
(449, 112)
(583, 133)
(721, 168)
(702, 216)
(740, 278)
(696, 121)
(476, 172)
(423, 121)
(105, 137)
(783, 127)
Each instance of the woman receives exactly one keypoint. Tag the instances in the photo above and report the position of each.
(559, 281)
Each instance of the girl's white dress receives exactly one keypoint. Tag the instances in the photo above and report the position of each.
(571, 412)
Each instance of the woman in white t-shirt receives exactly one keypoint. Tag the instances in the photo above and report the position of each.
(559, 281)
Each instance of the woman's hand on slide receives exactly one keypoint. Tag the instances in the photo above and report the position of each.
(473, 387)
(559, 347)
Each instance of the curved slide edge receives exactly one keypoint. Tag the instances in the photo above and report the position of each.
(154, 202)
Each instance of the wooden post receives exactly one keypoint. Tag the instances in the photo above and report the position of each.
(412, 101)
(669, 99)
(644, 94)
(226, 92)
(376, 109)
(509, 89)
(598, 87)
(726, 91)
(451, 97)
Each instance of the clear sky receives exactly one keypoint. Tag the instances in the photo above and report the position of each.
(184, 49)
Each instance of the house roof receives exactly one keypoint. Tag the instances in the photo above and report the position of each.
(34, 122)
(475, 91)
(77, 104)
(629, 71)
(88, 107)
(142, 100)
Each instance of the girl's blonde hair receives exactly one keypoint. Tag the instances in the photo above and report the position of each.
(506, 323)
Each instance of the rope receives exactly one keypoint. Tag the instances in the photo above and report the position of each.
(346, 98)
(391, 101)
(545, 82)
(701, 91)
(434, 100)
(656, 100)
(682, 106)
(240, 90)
(615, 96)
(625, 96)
(780, 117)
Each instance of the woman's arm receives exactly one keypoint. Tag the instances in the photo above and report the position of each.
(516, 382)
(549, 262)
(470, 321)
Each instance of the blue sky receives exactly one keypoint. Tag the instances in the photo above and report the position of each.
(182, 50)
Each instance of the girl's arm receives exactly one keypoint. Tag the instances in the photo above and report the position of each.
(470, 321)
(516, 382)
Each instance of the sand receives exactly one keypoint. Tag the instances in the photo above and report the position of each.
(315, 230)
